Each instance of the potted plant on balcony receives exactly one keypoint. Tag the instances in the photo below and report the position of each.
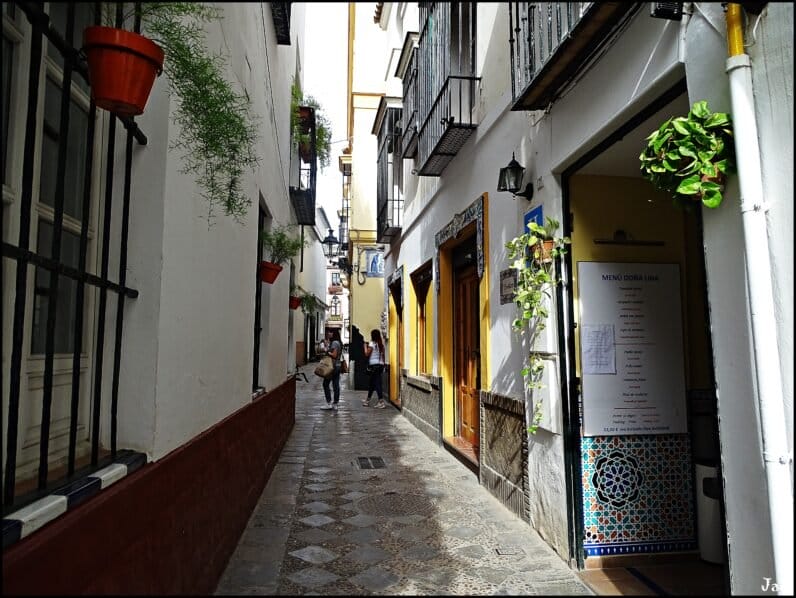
(299, 115)
(279, 245)
(217, 129)
(536, 279)
(690, 156)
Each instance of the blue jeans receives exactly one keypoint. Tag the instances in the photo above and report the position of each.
(334, 379)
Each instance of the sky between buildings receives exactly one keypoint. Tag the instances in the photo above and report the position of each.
(325, 78)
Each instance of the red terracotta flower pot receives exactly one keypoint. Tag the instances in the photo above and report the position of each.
(122, 68)
(543, 252)
(295, 302)
(269, 271)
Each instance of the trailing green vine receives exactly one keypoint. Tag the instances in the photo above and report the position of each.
(533, 254)
(218, 130)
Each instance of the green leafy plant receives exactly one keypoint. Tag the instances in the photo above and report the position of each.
(280, 245)
(218, 130)
(536, 280)
(690, 156)
(309, 303)
(323, 127)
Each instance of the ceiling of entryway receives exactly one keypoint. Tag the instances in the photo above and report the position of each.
(621, 159)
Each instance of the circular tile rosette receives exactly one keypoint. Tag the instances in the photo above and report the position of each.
(617, 479)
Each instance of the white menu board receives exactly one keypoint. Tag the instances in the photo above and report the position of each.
(631, 349)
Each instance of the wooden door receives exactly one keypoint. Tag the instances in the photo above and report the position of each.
(467, 354)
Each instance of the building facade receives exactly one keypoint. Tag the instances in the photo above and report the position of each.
(130, 399)
(665, 413)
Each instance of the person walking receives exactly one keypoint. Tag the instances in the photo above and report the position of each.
(374, 351)
(335, 351)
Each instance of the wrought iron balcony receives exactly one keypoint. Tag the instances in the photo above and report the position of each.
(550, 42)
(302, 191)
(280, 11)
(446, 83)
(448, 125)
(389, 169)
(407, 72)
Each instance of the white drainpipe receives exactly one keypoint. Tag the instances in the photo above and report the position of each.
(776, 457)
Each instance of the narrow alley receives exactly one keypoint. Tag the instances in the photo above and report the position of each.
(361, 502)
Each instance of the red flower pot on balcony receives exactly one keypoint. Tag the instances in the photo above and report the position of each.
(295, 302)
(269, 271)
(122, 68)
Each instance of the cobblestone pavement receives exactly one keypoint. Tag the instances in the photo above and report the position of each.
(329, 523)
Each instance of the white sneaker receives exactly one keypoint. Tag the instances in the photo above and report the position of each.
(334, 407)
(327, 407)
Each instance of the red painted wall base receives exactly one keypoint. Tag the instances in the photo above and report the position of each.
(171, 526)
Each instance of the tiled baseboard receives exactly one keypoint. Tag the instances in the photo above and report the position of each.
(28, 519)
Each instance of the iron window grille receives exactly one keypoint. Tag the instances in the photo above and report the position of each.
(389, 167)
(58, 321)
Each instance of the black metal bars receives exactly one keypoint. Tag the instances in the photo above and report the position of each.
(24, 257)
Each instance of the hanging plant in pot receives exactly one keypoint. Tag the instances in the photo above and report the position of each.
(279, 245)
(122, 68)
(536, 281)
(295, 298)
(690, 156)
(217, 131)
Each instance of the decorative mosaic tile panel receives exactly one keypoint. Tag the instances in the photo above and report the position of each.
(637, 494)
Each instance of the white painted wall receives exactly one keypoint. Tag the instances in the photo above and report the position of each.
(641, 65)
(189, 335)
(772, 56)
(747, 512)
(544, 145)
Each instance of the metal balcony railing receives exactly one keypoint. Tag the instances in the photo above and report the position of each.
(409, 124)
(280, 11)
(345, 209)
(550, 42)
(302, 196)
(388, 176)
(446, 83)
(448, 126)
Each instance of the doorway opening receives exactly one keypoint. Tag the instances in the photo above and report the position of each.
(640, 373)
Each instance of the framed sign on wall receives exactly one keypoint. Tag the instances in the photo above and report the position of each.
(631, 349)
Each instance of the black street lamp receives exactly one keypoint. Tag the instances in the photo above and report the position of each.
(510, 179)
(330, 245)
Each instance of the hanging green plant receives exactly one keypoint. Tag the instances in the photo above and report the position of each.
(218, 131)
(309, 303)
(533, 254)
(690, 156)
(323, 127)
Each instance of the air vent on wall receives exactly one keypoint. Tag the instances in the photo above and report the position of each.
(667, 10)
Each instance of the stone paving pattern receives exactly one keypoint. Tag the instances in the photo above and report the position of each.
(422, 525)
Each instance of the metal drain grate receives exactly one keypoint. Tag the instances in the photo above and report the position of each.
(369, 462)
